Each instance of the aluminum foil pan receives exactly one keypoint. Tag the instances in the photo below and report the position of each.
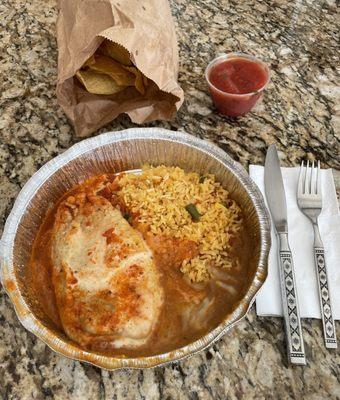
(115, 152)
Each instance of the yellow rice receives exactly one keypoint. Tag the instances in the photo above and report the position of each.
(159, 195)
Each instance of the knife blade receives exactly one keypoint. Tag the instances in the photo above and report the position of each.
(276, 200)
(275, 192)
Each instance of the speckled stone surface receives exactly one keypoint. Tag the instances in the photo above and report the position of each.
(300, 113)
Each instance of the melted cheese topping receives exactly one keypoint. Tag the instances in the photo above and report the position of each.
(106, 284)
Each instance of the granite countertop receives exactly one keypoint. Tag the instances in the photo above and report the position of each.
(300, 113)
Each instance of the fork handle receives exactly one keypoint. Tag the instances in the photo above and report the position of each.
(324, 295)
(290, 305)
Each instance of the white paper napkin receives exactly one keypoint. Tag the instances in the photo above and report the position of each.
(300, 233)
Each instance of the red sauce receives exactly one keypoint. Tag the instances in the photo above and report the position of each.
(234, 84)
(238, 76)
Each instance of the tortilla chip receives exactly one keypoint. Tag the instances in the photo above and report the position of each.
(97, 83)
(89, 62)
(107, 65)
(138, 78)
(115, 51)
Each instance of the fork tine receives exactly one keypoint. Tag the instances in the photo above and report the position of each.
(306, 191)
(313, 179)
(318, 188)
(300, 184)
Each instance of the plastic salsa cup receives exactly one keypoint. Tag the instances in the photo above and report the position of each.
(236, 81)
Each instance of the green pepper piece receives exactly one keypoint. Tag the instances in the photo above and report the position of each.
(192, 210)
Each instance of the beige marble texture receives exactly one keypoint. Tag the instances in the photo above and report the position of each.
(300, 112)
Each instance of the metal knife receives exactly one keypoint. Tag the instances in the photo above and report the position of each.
(276, 200)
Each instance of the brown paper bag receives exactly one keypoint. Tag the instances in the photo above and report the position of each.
(146, 30)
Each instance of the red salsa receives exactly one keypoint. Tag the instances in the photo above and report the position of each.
(235, 84)
(238, 76)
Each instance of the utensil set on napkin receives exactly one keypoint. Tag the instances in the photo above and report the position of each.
(306, 194)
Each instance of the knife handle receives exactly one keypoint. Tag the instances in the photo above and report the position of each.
(291, 313)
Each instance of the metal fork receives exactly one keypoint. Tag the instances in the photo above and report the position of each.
(309, 198)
